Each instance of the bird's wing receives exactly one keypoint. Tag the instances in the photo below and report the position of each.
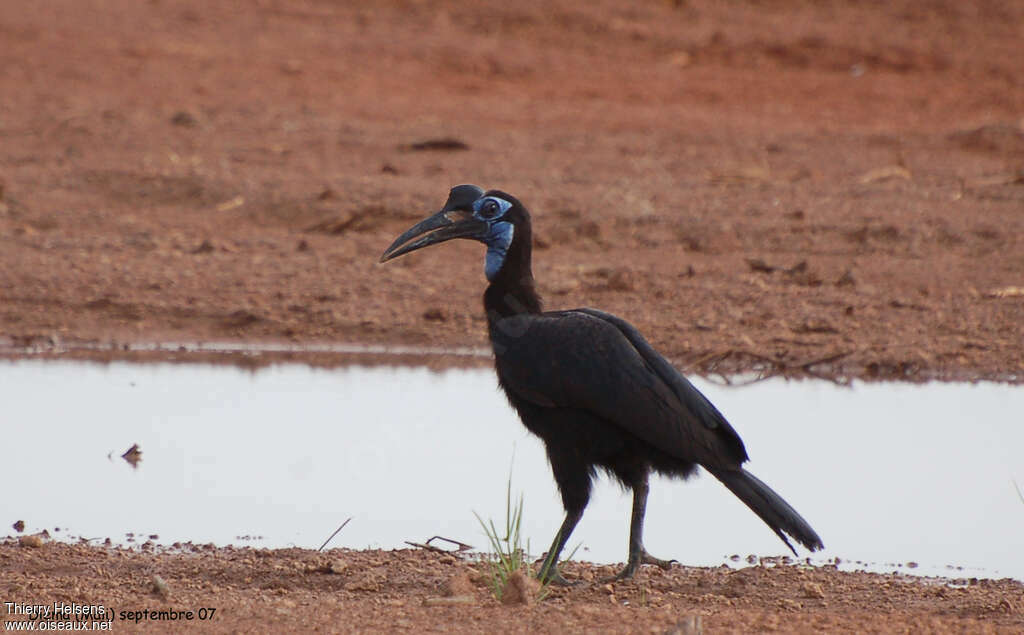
(594, 361)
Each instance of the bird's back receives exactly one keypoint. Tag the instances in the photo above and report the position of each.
(593, 361)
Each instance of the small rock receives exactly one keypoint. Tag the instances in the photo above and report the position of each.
(478, 578)
(444, 144)
(204, 248)
(184, 118)
(885, 173)
(435, 314)
(30, 541)
(812, 590)
(368, 583)
(621, 280)
(680, 59)
(846, 280)
(337, 567)
(231, 204)
(760, 266)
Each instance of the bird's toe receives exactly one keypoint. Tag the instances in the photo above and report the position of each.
(658, 562)
(555, 578)
(626, 573)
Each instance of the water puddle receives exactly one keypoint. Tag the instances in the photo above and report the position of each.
(915, 478)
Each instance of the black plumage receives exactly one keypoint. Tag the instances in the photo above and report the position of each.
(591, 387)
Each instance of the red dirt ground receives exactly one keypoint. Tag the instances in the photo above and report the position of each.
(823, 188)
(284, 590)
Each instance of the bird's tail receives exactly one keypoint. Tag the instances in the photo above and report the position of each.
(774, 511)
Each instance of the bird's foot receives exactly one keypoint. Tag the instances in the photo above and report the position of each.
(627, 573)
(634, 563)
(647, 558)
(555, 578)
(549, 573)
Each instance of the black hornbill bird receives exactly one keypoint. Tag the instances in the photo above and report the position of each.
(591, 387)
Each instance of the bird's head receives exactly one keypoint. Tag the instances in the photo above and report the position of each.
(493, 218)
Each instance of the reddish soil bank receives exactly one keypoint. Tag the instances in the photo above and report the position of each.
(788, 186)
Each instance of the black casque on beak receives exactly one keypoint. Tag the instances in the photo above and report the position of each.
(455, 220)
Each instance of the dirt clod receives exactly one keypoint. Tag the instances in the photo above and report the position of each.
(812, 590)
(459, 584)
(446, 144)
(185, 119)
(435, 314)
(520, 588)
(34, 541)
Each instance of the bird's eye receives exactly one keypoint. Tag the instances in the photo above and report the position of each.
(490, 208)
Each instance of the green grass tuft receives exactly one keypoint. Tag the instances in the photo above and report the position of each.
(508, 554)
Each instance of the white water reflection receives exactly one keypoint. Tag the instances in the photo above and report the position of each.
(886, 473)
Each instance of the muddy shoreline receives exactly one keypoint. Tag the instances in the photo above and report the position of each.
(731, 366)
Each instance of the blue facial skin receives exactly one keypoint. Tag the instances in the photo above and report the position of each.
(498, 240)
(499, 233)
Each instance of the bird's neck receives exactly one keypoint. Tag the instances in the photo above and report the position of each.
(512, 290)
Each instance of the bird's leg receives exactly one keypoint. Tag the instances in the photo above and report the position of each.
(549, 569)
(637, 554)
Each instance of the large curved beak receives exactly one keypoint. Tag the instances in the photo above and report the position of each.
(442, 226)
